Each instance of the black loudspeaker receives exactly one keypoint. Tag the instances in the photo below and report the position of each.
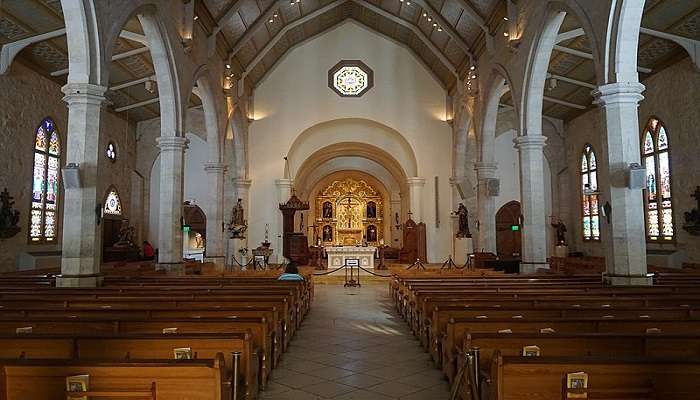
(493, 187)
(636, 177)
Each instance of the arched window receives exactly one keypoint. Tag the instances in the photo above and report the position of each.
(589, 190)
(657, 193)
(47, 163)
(113, 204)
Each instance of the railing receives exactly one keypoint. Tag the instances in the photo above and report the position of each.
(469, 374)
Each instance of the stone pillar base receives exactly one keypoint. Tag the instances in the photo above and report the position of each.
(219, 262)
(172, 269)
(628, 280)
(78, 281)
(532, 267)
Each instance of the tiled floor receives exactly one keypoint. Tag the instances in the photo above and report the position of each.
(353, 346)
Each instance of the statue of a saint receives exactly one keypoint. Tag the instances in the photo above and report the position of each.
(327, 234)
(9, 217)
(301, 223)
(371, 233)
(237, 214)
(463, 214)
(327, 210)
(558, 224)
(371, 210)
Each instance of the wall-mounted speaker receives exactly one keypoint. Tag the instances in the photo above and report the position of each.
(493, 187)
(71, 176)
(636, 176)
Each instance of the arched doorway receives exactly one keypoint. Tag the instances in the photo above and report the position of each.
(194, 231)
(508, 235)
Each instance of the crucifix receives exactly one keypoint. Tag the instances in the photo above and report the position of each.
(696, 196)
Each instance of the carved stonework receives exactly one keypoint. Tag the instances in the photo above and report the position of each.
(9, 217)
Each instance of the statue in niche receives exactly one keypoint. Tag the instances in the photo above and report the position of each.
(327, 233)
(692, 217)
(560, 228)
(238, 224)
(371, 233)
(327, 210)
(371, 210)
(301, 223)
(9, 217)
(463, 228)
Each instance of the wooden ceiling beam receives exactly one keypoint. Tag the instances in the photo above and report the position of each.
(449, 29)
(230, 11)
(474, 14)
(257, 24)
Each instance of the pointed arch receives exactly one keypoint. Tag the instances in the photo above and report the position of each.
(590, 214)
(46, 166)
(113, 203)
(658, 199)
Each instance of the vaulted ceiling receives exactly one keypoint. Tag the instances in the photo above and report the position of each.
(256, 34)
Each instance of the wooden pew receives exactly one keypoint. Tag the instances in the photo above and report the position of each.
(174, 380)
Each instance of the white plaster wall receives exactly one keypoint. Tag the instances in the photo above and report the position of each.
(295, 97)
(509, 173)
(25, 99)
(195, 182)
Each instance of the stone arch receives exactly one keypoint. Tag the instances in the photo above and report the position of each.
(497, 88)
(239, 134)
(367, 133)
(204, 90)
(85, 59)
(622, 41)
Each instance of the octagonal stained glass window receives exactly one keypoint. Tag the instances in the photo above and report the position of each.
(350, 78)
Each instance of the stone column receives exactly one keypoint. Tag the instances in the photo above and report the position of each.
(242, 190)
(486, 208)
(415, 190)
(172, 155)
(534, 232)
(625, 243)
(215, 250)
(284, 192)
(82, 234)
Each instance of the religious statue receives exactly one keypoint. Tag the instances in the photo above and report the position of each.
(558, 224)
(463, 214)
(9, 217)
(371, 233)
(301, 223)
(198, 241)
(371, 210)
(327, 210)
(397, 222)
(126, 235)
(692, 217)
(238, 224)
(327, 234)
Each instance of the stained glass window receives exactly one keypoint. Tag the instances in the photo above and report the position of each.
(111, 152)
(657, 196)
(589, 190)
(350, 78)
(45, 183)
(113, 204)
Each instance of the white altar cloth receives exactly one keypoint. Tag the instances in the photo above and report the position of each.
(338, 255)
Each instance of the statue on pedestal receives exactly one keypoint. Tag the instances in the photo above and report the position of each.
(463, 214)
(558, 224)
(9, 217)
(238, 224)
(126, 235)
(692, 217)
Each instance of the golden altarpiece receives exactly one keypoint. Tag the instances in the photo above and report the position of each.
(348, 212)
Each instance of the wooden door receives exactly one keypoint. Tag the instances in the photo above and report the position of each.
(508, 240)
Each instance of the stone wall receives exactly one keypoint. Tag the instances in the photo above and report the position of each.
(672, 95)
(27, 99)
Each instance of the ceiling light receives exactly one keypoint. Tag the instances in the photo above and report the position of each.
(505, 34)
(196, 17)
(434, 24)
(474, 76)
(472, 68)
(425, 14)
(271, 20)
(505, 18)
(228, 65)
(429, 19)
(439, 29)
(408, 3)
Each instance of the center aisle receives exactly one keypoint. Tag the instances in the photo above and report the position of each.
(354, 346)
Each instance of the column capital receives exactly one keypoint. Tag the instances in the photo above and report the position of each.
(242, 182)
(530, 142)
(483, 166)
(284, 182)
(215, 168)
(455, 180)
(172, 143)
(84, 93)
(416, 181)
(619, 93)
